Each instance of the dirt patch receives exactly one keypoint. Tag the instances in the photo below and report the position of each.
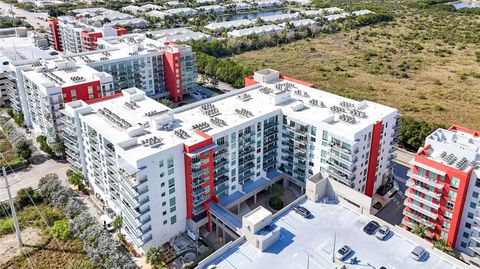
(9, 247)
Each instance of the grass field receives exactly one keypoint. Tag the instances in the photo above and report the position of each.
(426, 63)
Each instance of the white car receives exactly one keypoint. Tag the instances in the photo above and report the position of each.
(418, 253)
(382, 232)
(343, 253)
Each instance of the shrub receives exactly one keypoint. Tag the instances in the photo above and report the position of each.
(23, 197)
(6, 226)
(413, 132)
(10, 112)
(42, 140)
(60, 229)
(23, 149)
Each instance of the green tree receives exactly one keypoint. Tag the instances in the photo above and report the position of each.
(165, 102)
(58, 147)
(117, 222)
(23, 149)
(443, 246)
(276, 190)
(420, 230)
(154, 256)
(413, 132)
(23, 197)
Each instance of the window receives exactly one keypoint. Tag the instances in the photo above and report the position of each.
(443, 235)
(172, 209)
(172, 201)
(449, 205)
(325, 135)
(173, 220)
(170, 162)
(432, 176)
(463, 244)
(164, 203)
(172, 190)
(171, 182)
(160, 164)
(473, 205)
(421, 172)
(448, 215)
(452, 195)
(445, 224)
(164, 222)
(468, 225)
(465, 235)
(475, 194)
(470, 215)
(171, 171)
(454, 183)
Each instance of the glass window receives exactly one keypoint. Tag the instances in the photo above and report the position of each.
(173, 220)
(160, 164)
(172, 201)
(421, 172)
(448, 215)
(452, 195)
(432, 176)
(171, 182)
(454, 183)
(170, 171)
(325, 135)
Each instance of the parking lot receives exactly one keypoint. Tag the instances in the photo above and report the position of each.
(312, 241)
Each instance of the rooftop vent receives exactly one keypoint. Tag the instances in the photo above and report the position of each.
(244, 97)
(152, 141)
(114, 118)
(348, 119)
(243, 112)
(129, 106)
(201, 126)
(218, 122)
(265, 90)
(181, 133)
(155, 113)
(301, 93)
(337, 109)
(209, 110)
(346, 104)
(358, 113)
(450, 158)
(315, 102)
(77, 78)
(285, 86)
(461, 164)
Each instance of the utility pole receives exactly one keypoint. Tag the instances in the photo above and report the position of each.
(12, 208)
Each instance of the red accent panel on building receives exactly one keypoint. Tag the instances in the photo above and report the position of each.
(100, 99)
(172, 72)
(249, 81)
(89, 40)
(208, 140)
(121, 31)
(464, 177)
(53, 24)
(82, 91)
(308, 84)
(464, 130)
(372, 160)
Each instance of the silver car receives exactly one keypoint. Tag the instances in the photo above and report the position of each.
(382, 232)
(417, 253)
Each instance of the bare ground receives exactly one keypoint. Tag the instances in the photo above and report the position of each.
(9, 247)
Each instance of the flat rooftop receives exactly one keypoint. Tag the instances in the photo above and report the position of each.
(218, 114)
(315, 237)
(456, 147)
(22, 50)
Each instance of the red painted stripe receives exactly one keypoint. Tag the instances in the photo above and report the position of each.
(372, 161)
(464, 130)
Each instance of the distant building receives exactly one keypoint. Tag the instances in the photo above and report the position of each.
(257, 30)
(178, 35)
(220, 26)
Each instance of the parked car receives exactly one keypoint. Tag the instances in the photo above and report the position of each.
(107, 222)
(417, 253)
(343, 253)
(302, 211)
(382, 232)
(371, 227)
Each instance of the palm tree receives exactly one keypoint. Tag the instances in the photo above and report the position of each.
(154, 256)
(443, 246)
(420, 229)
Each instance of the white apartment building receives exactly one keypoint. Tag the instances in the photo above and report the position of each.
(257, 30)
(160, 69)
(163, 169)
(49, 85)
(19, 52)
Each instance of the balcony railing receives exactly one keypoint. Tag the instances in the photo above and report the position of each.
(421, 210)
(421, 189)
(418, 218)
(422, 200)
(425, 180)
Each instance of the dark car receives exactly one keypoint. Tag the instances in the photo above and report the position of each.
(371, 227)
(302, 211)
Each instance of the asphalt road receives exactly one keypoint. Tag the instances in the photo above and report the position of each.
(35, 19)
(31, 176)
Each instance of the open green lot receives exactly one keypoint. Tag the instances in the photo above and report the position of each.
(426, 62)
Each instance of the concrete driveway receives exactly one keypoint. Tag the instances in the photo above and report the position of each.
(30, 176)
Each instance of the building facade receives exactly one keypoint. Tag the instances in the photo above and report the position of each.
(443, 189)
(49, 85)
(164, 169)
(160, 69)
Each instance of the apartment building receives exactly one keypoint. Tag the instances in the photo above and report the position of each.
(49, 85)
(19, 51)
(70, 35)
(160, 69)
(443, 189)
(164, 170)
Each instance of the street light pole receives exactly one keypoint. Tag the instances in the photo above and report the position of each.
(334, 243)
(12, 208)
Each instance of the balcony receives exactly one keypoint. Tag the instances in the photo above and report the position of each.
(421, 210)
(425, 180)
(419, 219)
(421, 189)
(422, 200)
